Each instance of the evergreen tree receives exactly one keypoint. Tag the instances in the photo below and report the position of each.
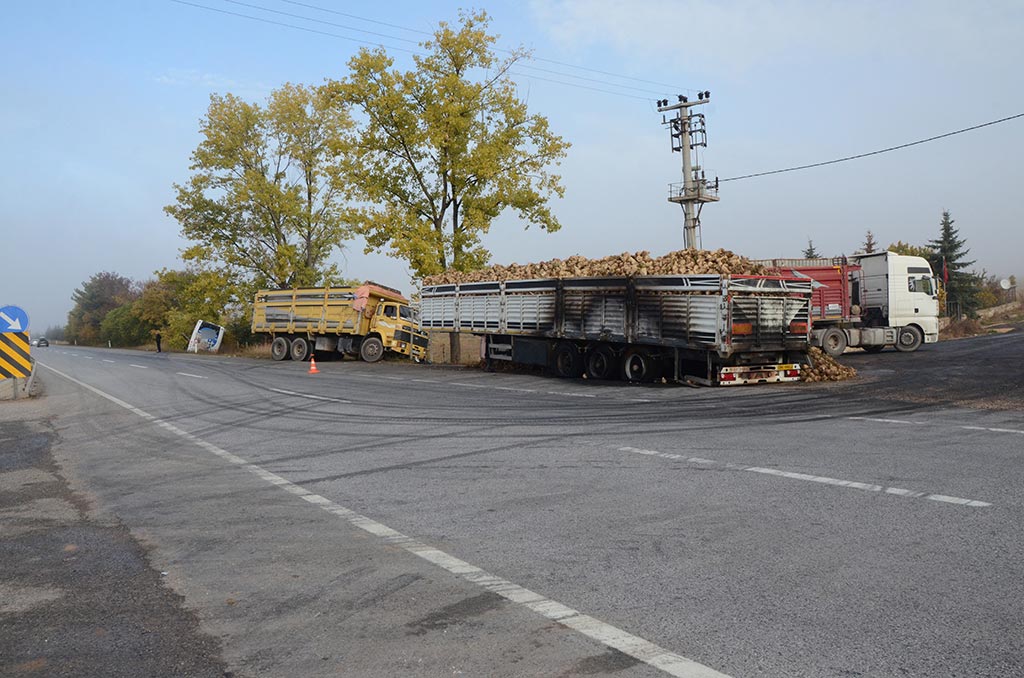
(810, 252)
(870, 244)
(948, 262)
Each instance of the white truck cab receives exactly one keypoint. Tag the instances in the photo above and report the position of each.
(897, 290)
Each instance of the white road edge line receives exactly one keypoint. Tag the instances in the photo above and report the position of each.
(853, 484)
(141, 367)
(643, 650)
(194, 376)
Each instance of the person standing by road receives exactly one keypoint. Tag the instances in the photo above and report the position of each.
(157, 337)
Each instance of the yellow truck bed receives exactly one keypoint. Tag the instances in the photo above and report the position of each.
(320, 310)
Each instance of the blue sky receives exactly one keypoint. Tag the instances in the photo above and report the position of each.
(102, 102)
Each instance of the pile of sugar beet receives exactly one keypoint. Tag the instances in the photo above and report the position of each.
(680, 262)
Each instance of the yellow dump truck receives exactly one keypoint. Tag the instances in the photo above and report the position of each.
(363, 321)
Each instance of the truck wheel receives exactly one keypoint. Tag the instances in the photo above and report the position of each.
(371, 350)
(567, 361)
(280, 349)
(601, 363)
(638, 366)
(300, 349)
(909, 339)
(833, 341)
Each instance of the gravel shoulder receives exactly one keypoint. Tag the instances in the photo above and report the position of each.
(78, 596)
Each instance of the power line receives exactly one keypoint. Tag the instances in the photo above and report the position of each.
(404, 49)
(884, 150)
(507, 51)
(298, 28)
(415, 42)
(321, 21)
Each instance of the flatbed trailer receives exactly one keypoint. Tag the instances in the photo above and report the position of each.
(709, 329)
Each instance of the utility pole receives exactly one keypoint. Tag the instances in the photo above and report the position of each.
(687, 132)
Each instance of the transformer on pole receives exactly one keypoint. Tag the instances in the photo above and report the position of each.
(687, 132)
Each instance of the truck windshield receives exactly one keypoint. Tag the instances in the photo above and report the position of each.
(408, 313)
(922, 284)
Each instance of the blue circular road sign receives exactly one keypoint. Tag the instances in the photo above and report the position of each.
(13, 319)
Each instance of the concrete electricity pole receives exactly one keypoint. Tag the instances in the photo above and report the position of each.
(688, 132)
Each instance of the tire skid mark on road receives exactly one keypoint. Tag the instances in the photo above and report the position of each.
(595, 629)
(825, 480)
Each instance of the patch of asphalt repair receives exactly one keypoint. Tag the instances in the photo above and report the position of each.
(78, 596)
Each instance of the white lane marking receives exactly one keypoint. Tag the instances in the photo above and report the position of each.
(310, 396)
(853, 484)
(141, 367)
(606, 634)
(89, 357)
(993, 430)
(572, 395)
(75, 354)
(459, 383)
(107, 360)
(887, 421)
(194, 376)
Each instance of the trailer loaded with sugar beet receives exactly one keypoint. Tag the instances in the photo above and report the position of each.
(868, 301)
(709, 328)
(360, 321)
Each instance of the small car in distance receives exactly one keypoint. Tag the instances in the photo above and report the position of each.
(43, 341)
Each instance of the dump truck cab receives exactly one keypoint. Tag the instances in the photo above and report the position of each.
(397, 325)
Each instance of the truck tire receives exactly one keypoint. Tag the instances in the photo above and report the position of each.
(639, 366)
(372, 349)
(909, 339)
(300, 349)
(833, 341)
(566, 362)
(280, 349)
(601, 363)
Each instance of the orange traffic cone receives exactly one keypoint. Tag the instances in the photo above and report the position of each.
(312, 365)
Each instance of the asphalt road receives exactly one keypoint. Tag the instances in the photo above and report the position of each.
(394, 519)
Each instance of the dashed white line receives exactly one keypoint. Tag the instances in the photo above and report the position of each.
(606, 634)
(194, 376)
(309, 396)
(853, 484)
(993, 430)
(887, 421)
(107, 360)
(141, 367)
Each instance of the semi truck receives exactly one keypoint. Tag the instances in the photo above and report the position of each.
(869, 300)
(364, 321)
(709, 329)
